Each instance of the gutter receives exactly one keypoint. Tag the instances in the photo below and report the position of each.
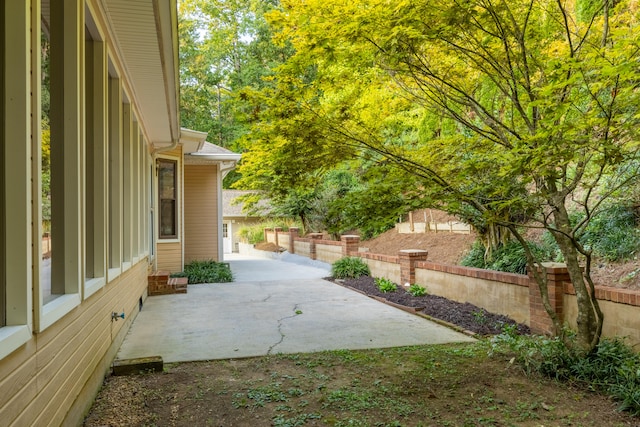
(172, 146)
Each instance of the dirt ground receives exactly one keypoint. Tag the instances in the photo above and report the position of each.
(452, 385)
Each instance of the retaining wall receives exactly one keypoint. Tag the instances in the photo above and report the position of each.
(514, 295)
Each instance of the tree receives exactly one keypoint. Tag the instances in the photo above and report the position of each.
(542, 96)
(225, 46)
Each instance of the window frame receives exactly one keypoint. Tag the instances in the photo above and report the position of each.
(67, 161)
(176, 223)
(96, 160)
(16, 168)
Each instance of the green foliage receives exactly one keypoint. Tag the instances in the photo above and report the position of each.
(612, 367)
(613, 234)
(206, 272)
(385, 285)
(417, 290)
(507, 257)
(349, 268)
(254, 233)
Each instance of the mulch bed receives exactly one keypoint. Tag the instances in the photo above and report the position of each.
(464, 315)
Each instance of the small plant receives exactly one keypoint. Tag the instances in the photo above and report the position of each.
(206, 272)
(385, 285)
(349, 268)
(480, 316)
(417, 290)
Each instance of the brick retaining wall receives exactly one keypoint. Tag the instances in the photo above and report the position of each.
(514, 295)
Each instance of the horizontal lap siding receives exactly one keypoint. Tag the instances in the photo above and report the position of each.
(169, 256)
(200, 213)
(60, 370)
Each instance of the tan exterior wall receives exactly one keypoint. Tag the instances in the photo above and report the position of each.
(385, 269)
(302, 248)
(169, 256)
(328, 253)
(620, 320)
(283, 240)
(40, 381)
(497, 297)
(200, 213)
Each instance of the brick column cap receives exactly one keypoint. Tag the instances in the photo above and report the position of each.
(349, 237)
(413, 252)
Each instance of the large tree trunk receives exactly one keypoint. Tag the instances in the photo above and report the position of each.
(589, 318)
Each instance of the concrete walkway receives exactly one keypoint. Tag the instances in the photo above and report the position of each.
(274, 306)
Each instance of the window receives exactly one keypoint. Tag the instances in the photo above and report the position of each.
(152, 211)
(127, 185)
(15, 157)
(61, 273)
(95, 159)
(115, 177)
(3, 290)
(225, 230)
(167, 183)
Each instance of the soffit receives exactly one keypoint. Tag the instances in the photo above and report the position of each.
(145, 37)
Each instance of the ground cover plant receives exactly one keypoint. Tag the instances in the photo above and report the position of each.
(206, 272)
(465, 316)
(385, 285)
(445, 385)
(612, 367)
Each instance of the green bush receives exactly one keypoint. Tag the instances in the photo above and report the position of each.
(509, 257)
(612, 367)
(612, 234)
(385, 285)
(417, 290)
(349, 268)
(253, 234)
(206, 272)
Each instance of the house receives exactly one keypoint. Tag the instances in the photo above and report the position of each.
(92, 155)
(234, 216)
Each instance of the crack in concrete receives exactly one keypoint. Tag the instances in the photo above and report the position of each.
(280, 323)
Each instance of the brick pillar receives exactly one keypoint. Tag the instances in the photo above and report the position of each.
(408, 258)
(294, 232)
(312, 244)
(277, 230)
(266, 237)
(540, 322)
(350, 244)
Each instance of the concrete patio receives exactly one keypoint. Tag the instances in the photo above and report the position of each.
(274, 306)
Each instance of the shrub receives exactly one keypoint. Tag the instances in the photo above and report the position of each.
(612, 234)
(349, 268)
(508, 257)
(612, 367)
(253, 234)
(385, 285)
(206, 272)
(417, 290)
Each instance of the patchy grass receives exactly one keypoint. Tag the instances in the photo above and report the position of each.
(446, 385)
